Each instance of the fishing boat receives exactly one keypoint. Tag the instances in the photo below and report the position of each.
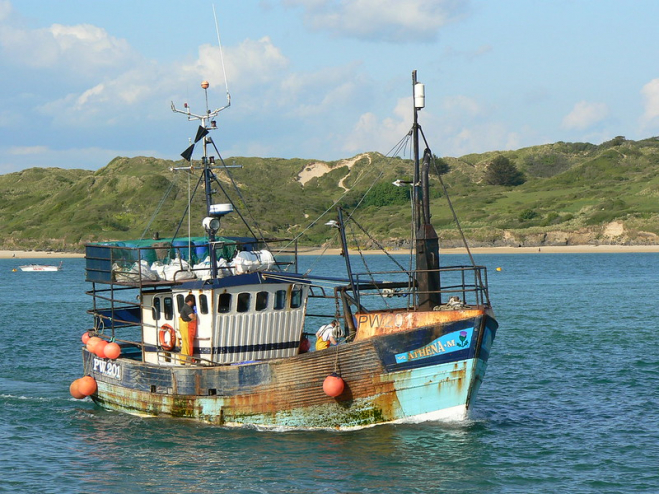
(41, 267)
(412, 343)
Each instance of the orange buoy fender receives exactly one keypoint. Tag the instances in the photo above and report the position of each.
(112, 350)
(87, 385)
(75, 392)
(99, 349)
(167, 337)
(333, 385)
(92, 342)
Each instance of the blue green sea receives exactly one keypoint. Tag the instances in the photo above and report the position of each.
(570, 402)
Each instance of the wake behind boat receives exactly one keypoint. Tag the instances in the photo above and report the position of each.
(412, 343)
(41, 267)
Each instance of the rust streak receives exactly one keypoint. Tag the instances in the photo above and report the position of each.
(394, 321)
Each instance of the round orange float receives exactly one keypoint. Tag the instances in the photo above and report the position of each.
(85, 337)
(112, 350)
(75, 392)
(87, 385)
(333, 385)
(99, 349)
(91, 343)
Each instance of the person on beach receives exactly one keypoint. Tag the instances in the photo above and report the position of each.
(188, 325)
(328, 335)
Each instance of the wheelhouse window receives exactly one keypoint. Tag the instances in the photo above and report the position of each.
(262, 300)
(155, 310)
(203, 304)
(243, 301)
(224, 303)
(280, 300)
(296, 298)
(169, 308)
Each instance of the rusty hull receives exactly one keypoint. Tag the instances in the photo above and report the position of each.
(288, 392)
(391, 321)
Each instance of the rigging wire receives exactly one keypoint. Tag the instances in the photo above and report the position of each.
(189, 221)
(412, 258)
(368, 271)
(240, 196)
(187, 207)
(448, 200)
(322, 253)
(359, 178)
(158, 208)
(379, 245)
(394, 151)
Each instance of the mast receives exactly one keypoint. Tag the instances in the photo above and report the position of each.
(427, 242)
(213, 211)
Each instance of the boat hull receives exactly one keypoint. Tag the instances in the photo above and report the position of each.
(427, 373)
(39, 268)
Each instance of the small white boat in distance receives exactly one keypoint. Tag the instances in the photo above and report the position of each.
(41, 267)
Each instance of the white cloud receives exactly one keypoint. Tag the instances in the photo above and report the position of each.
(402, 20)
(650, 94)
(488, 136)
(129, 95)
(84, 98)
(5, 9)
(106, 94)
(83, 47)
(455, 131)
(372, 134)
(27, 150)
(321, 93)
(250, 63)
(462, 105)
(90, 45)
(585, 115)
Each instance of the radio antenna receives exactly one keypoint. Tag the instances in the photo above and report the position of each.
(219, 43)
(209, 114)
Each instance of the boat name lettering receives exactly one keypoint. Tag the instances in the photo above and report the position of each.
(381, 320)
(109, 369)
(443, 344)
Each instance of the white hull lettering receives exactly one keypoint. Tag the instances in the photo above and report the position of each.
(109, 369)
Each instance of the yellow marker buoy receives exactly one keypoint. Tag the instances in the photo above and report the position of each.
(499, 269)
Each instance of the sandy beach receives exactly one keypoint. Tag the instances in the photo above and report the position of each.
(567, 249)
(34, 254)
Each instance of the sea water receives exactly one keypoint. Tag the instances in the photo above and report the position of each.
(569, 403)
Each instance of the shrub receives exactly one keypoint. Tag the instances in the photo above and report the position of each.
(502, 172)
(527, 214)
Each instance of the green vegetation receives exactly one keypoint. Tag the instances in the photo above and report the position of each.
(502, 172)
(561, 193)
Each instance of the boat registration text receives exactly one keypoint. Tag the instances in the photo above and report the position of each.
(107, 368)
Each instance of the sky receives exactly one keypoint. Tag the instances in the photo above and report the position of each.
(86, 81)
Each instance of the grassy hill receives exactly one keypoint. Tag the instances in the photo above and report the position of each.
(574, 193)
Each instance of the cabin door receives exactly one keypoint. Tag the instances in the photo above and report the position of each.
(158, 310)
